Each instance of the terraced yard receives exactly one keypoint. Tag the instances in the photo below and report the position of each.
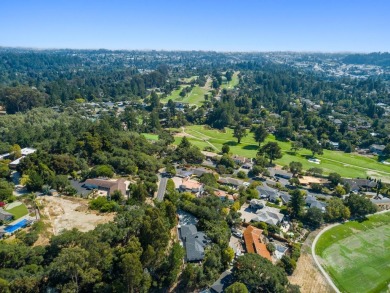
(347, 165)
(357, 255)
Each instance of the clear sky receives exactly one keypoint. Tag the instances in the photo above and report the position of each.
(221, 25)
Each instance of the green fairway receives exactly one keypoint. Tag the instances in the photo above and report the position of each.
(231, 84)
(150, 136)
(347, 165)
(18, 211)
(188, 79)
(195, 97)
(357, 255)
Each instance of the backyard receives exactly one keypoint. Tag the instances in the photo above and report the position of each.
(17, 209)
(356, 254)
(347, 165)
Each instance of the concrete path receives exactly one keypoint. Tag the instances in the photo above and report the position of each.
(13, 204)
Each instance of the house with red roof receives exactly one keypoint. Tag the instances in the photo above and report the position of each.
(253, 242)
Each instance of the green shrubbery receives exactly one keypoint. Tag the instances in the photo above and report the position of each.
(101, 204)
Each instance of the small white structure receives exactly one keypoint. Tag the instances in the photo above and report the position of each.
(25, 152)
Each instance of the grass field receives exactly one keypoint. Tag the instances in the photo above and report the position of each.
(195, 97)
(150, 136)
(347, 165)
(231, 84)
(18, 211)
(188, 79)
(357, 255)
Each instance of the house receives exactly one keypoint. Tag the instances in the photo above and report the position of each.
(5, 216)
(3, 156)
(269, 215)
(80, 188)
(382, 203)
(211, 155)
(253, 242)
(280, 250)
(184, 173)
(107, 186)
(239, 160)
(267, 192)
(312, 202)
(356, 185)
(223, 195)
(194, 242)
(231, 181)
(377, 148)
(285, 197)
(200, 171)
(283, 174)
(274, 197)
(25, 152)
(224, 281)
(257, 203)
(192, 186)
(338, 122)
(334, 144)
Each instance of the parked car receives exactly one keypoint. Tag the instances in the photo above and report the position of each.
(237, 234)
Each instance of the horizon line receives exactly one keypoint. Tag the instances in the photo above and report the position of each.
(192, 50)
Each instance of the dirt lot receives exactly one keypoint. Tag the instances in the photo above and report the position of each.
(68, 213)
(306, 275)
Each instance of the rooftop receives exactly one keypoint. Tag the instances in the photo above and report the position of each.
(253, 242)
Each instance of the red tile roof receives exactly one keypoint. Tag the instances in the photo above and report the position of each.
(253, 242)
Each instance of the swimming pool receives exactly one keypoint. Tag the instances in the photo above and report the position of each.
(18, 225)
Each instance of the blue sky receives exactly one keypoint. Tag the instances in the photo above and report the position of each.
(245, 25)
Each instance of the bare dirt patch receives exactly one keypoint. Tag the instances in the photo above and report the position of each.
(68, 213)
(307, 275)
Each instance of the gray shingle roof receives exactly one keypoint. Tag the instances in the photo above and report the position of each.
(194, 242)
(265, 191)
(285, 197)
(4, 215)
(224, 281)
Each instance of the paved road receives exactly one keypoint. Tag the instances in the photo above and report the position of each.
(161, 188)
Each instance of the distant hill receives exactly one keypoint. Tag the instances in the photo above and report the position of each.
(380, 59)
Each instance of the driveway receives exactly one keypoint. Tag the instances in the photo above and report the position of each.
(247, 213)
(161, 188)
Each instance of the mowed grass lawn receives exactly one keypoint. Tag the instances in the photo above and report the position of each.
(150, 136)
(18, 211)
(357, 255)
(195, 97)
(347, 165)
(231, 84)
